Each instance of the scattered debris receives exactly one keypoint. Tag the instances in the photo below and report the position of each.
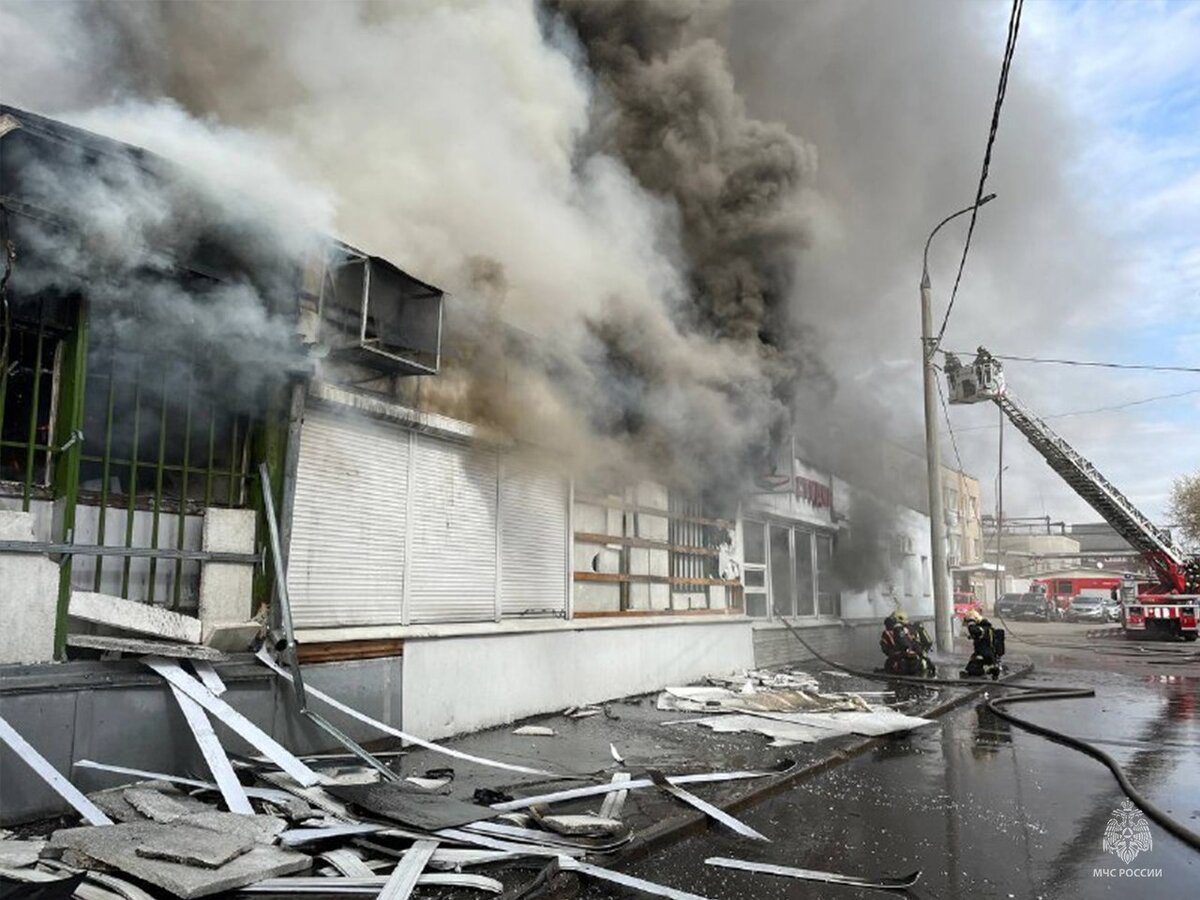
(617, 757)
(535, 731)
(628, 881)
(880, 884)
(614, 802)
(163, 807)
(582, 712)
(718, 815)
(411, 807)
(18, 854)
(117, 846)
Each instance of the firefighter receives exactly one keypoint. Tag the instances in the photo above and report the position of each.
(905, 646)
(988, 647)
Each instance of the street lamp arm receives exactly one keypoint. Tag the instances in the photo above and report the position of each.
(938, 227)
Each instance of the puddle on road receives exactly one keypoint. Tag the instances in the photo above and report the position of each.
(985, 809)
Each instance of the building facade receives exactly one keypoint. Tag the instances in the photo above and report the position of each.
(440, 577)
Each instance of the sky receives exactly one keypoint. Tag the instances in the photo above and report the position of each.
(1129, 72)
(1089, 251)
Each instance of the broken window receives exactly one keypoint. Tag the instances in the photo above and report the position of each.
(804, 573)
(829, 602)
(783, 601)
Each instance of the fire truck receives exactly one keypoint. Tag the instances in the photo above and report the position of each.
(1166, 608)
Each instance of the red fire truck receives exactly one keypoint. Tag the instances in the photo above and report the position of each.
(1166, 609)
(1062, 590)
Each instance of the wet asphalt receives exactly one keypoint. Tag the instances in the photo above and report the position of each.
(982, 808)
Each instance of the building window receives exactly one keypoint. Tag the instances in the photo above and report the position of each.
(783, 599)
(788, 571)
(829, 602)
(694, 556)
(754, 568)
(805, 599)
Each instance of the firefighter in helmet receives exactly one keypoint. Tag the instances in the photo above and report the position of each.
(987, 647)
(905, 645)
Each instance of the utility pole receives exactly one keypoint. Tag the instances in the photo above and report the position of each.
(943, 608)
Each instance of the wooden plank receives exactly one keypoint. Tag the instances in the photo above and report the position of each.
(617, 503)
(209, 677)
(404, 878)
(592, 537)
(53, 778)
(126, 615)
(214, 754)
(169, 670)
(340, 651)
(673, 613)
(143, 647)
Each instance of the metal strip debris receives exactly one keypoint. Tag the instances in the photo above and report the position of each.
(348, 862)
(296, 837)
(170, 670)
(368, 886)
(266, 660)
(637, 884)
(404, 877)
(880, 884)
(614, 801)
(707, 808)
(256, 792)
(214, 754)
(53, 778)
(208, 676)
(637, 784)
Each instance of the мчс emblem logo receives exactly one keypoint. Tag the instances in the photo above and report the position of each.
(1127, 833)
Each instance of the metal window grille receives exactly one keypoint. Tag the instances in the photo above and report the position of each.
(27, 412)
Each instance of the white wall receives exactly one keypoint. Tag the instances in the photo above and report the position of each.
(453, 685)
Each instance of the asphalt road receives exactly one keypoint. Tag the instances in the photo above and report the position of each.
(982, 808)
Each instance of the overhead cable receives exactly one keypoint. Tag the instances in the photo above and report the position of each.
(1014, 26)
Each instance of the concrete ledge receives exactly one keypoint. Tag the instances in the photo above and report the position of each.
(507, 626)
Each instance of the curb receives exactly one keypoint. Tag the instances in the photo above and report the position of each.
(678, 827)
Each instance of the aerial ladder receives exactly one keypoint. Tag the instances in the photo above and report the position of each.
(1168, 607)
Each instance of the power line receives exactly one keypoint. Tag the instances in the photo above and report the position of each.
(1146, 367)
(1099, 409)
(949, 427)
(1014, 25)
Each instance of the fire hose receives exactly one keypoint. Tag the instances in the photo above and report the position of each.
(1031, 693)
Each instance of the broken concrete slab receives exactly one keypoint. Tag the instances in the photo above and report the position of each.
(262, 829)
(113, 804)
(194, 846)
(143, 646)
(163, 807)
(231, 637)
(141, 618)
(116, 846)
(18, 854)
(407, 806)
(582, 825)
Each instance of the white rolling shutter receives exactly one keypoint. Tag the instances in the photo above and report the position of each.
(346, 561)
(533, 542)
(452, 574)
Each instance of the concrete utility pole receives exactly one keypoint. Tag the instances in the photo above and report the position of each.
(943, 607)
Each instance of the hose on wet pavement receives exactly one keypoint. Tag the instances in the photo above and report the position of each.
(1152, 810)
(1031, 693)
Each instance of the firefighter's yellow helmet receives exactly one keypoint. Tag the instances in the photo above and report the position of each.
(973, 615)
(900, 615)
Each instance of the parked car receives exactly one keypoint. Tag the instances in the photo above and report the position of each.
(1023, 606)
(1087, 609)
(965, 602)
(1112, 609)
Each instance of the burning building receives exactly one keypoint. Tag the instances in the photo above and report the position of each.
(170, 361)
